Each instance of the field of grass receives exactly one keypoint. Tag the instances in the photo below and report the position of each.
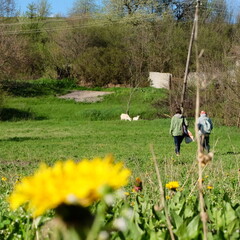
(47, 129)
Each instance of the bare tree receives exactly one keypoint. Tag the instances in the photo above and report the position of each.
(43, 8)
(7, 8)
(13, 56)
(67, 46)
(81, 7)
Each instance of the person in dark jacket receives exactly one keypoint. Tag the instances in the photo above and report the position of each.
(176, 129)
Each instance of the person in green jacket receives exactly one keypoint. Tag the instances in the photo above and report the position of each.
(176, 129)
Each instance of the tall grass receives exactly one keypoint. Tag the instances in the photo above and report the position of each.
(56, 129)
(62, 130)
(49, 107)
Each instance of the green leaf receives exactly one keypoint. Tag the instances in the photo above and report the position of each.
(231, 227)
(210, 236)
(188, 212)
(177, 220)
(182, 232)
(237, 211)
(193, 227)
(153, 236)
(230, 213)
(218, 218)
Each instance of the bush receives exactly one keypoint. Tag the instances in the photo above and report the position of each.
(37, 87)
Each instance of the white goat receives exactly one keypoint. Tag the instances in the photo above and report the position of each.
(136, 118)
(125, 117)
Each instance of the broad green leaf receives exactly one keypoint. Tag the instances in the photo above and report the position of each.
(154, 236)
(218, 218)
(177, 220)
(229, 213)
(210, 236)
(181, 232)
(231, 227)
(193, 227)
(188, 212)
(238, 211)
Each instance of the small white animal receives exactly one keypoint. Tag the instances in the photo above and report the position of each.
(125, 117)
(136, 118)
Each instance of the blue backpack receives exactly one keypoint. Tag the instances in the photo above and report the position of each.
(206, 126)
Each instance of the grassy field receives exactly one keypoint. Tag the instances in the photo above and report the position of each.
(46, 129)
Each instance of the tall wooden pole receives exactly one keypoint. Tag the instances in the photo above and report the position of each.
(203, 214)
(193, 34)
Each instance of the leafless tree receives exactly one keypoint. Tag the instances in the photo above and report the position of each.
(7, 8)
(13, 56)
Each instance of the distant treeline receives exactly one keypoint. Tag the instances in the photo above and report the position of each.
(119, 43)
(118, 46)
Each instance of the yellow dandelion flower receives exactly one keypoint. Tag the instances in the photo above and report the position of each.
(4, 179)
(209, 187)
(172, 185)
(68, 183)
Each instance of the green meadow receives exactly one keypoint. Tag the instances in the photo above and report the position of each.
(45, 129)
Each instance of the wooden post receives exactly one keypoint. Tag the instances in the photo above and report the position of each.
(203, 214)
(188, 57)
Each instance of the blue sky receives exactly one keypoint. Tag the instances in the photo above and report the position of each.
(57, 6)
(63, 6)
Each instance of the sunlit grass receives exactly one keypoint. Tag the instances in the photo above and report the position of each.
(63, 133)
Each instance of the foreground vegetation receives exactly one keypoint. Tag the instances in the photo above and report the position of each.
(47, 129)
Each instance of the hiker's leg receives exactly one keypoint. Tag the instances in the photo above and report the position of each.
(201, 138)
(180, 139)
(206, 143)
(177, 142)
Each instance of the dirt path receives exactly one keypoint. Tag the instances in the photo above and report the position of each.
(85, 96)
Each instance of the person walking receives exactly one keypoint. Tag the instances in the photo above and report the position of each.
(176, 129)
(205, 127)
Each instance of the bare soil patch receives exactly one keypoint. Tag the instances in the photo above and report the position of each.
(85, 96)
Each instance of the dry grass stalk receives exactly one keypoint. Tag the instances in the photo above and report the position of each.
(200, 157)
(163, 203)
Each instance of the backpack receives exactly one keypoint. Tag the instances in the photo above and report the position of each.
(184, 128)
(206, 126)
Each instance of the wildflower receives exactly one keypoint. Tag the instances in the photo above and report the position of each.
(172, 185)
(209, 187)
(126, 193)
(138, 179)
(128, 213)
(4, 179)
(103, 235)
(138, 185)
(69, 183)
(120, 224)
(109, 199)
(120, 194)
(168, 197)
